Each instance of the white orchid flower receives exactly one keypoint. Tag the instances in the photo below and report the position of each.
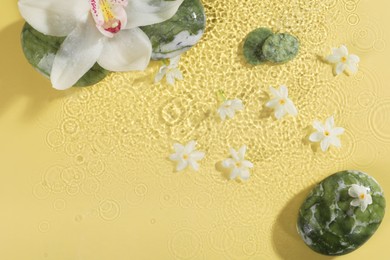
(361, 196)
(171, 71)
(102, 31)
(237, 164)
(343, 60)
(186, 155)
(327, 134)
(281, 103)
(229, 108)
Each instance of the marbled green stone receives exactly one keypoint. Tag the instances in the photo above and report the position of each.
(329, 224)
(253, 46)
(281, 47)
(41, 49)
(178, 34)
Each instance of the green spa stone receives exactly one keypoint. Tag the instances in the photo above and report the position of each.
(329, 224)
(280, 48)
(178, 34)
(41, 49)
(253, 46)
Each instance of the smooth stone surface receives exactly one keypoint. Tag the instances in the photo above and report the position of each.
(178, 34)
(329, 224)
(281, 47)
(253, 46)
(41, 49)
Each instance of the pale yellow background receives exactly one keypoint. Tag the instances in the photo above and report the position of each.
(84, 173)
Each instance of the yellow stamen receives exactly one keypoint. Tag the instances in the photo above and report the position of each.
(282, 102)
(326, 133)
(362, 196)
(344, 59)
(185, 157)
(106, 10)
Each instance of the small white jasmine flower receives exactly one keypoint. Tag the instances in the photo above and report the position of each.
(238, 165)
(326, 133)
(343, 60)
(229, 108)
(281, 103)
(361, 195)
(171, 71)
(186, 155)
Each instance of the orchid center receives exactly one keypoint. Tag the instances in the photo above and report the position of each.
(344, 59)
(185, 157)
(282, 102)
(109, 15)
(327, 133)
(238, 164)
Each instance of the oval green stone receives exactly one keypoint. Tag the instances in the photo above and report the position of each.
(281, 48)
(41, 49)
(178, 34)
(253, 46)
(329, 224)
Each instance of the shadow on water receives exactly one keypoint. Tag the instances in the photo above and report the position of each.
(19, 80)
(285, 238)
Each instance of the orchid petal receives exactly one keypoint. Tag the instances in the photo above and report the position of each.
(78, 53)
(194, 165)
(338, 131)
(335, 141)
(234, 174)
(197, 155)
(241, 152)
(283, 90)
(160, 75)
(275, 92)
(342, 51)
(53, 17)
(333, 58)
(234, 154)
(175, 157)
(228, 163)
(247, 164)
(329, 123)
(369, 199)
(325, 144)
(273, 103)
(190, 147)
(128, 50)
(355, 202)
(318, 126)
(244, 174)
(179, 148)
(353, 58)
(147, 12)
(353, 192)
(237, 104)
(280, 112)
(352, 68)
(170, 79)
(363, 206)
(290, 108)
(222, 113)
(340, 68)
(181, 165)
(316, 137)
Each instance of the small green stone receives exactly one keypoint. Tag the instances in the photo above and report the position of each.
(280, 48)
(253, 46)
(178, 34)
(41, 49)
(329, 224)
